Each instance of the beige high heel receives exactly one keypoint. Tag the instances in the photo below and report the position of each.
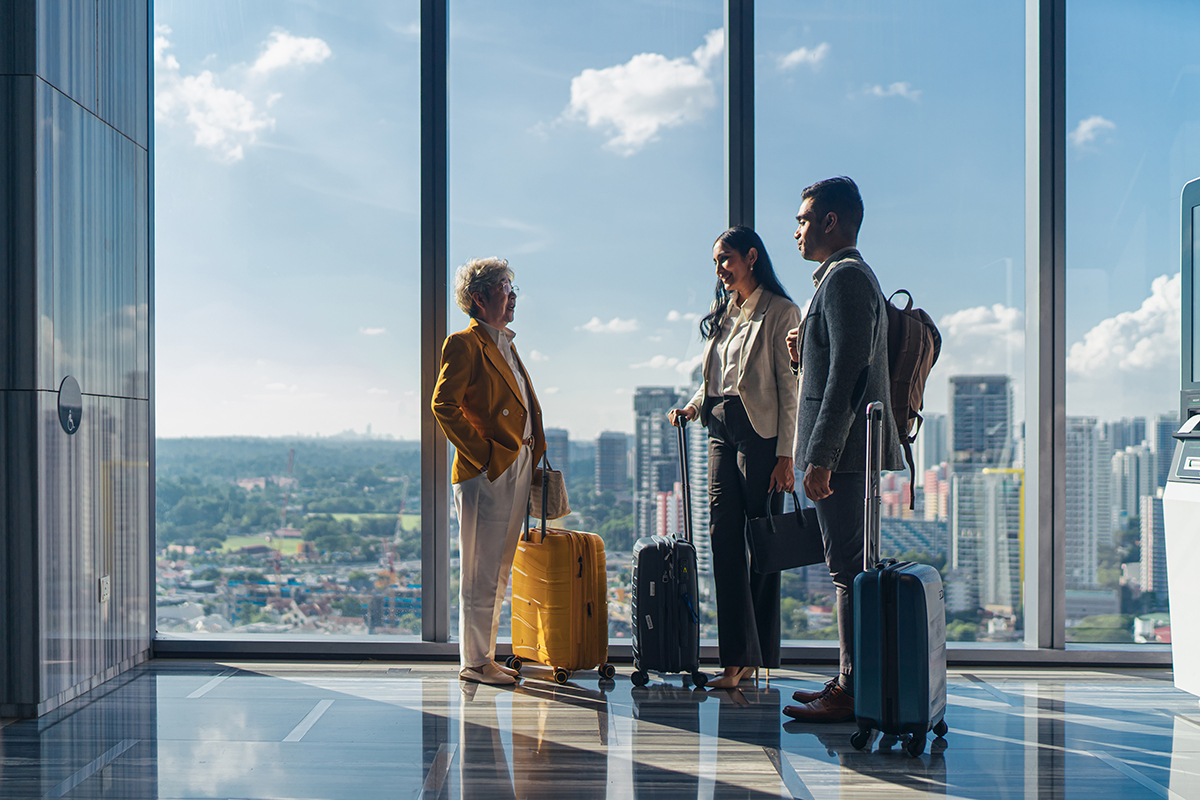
(731, 680)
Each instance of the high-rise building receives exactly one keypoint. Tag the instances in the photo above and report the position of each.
(1165, 426)
(612, 462)
(655, 452)
(985, 538)
(1132, 476)
(1088, 507)
(558, 450)
(1125, 432)
(985, 509)
(930, 448)
(936, 490)
(1154, 549)
(698, 474)
(981, 417)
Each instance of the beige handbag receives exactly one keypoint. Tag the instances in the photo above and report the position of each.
(548, 495)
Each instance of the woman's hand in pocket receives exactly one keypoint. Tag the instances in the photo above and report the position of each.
(783, 477)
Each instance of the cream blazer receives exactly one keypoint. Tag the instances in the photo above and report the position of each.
(766, 384)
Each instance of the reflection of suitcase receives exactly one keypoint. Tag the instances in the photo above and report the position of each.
(560, 601)
(899, 631)
(665, 597)
(666, 741)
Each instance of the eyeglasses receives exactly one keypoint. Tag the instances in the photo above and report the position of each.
(509, 289)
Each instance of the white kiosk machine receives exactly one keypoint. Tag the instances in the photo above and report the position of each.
(1181, 498)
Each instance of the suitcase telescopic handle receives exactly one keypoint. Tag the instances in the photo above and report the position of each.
(681, 423)
(874, 500)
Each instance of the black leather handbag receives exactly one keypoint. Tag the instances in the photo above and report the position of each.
(785, 541)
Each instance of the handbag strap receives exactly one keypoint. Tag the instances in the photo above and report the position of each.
(545, 510)
(771, 517)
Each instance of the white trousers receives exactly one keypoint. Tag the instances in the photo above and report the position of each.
(490, 517)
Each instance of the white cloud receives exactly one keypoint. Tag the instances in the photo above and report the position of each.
(804, 55)
(224, 120)
(376, 391)
(675, 316)
(657, 362)
(538, 355)
(372, 331)
(614, 325)
(686, 366)
(1134, 342)
(682, 366)
(649, 92)
(899, 89)
(1128, 364)
(1088, 130)
(284, 50)
(985, 340)
(412, 29)
(552, 390)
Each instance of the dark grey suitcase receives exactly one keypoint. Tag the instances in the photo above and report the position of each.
(899, 631)
(664, 601)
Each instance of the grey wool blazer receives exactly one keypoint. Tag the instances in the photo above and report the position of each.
(844, 366)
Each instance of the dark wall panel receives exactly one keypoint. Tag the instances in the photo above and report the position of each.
(19, 651)
(18, 284)
(91, 250)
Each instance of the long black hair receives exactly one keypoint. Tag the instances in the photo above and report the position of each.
(741, 239)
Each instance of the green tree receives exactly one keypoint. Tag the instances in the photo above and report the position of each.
(960, 630)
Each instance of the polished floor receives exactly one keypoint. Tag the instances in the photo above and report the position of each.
(175, 729)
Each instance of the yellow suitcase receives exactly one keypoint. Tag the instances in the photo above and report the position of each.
(560, 602)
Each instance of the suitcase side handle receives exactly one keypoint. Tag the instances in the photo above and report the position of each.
(873, 501)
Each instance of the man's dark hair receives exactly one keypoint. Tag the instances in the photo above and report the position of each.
(839, 195)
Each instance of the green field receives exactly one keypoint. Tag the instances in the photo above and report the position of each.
(289, 547)
(411, 521)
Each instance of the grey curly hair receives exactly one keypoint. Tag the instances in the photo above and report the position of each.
(481, 275)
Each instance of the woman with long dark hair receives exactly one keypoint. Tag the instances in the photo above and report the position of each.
(747, 401)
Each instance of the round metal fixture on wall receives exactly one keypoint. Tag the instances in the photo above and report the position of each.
(70, 405)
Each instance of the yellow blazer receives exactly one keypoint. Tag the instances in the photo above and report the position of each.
(478, 404)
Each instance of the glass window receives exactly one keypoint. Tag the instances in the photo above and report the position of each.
(1131, 128)
(586, 147)
(287, 145)
(922, 103)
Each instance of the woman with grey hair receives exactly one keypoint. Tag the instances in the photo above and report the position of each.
(485, 403)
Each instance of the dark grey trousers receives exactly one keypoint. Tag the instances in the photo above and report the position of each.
(842, 526)
(739, 473)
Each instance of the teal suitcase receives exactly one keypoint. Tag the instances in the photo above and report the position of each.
(899, 632)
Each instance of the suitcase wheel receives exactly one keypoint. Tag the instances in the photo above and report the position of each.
(915, 745)
(513, 662)
(860, 738)
(940, 729)
(699, 678)
(607, 671)
(561, 675)
(639, 678)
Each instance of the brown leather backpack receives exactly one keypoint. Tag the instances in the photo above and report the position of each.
(914, 344)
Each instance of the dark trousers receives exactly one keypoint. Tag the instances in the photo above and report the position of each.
(842, 526)
(739, 473)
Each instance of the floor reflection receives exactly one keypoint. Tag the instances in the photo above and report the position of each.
(194, 730)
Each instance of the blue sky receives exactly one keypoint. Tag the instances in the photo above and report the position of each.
(586, 145)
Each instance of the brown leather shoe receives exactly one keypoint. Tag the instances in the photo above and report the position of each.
(833, 706)
(805, 696)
